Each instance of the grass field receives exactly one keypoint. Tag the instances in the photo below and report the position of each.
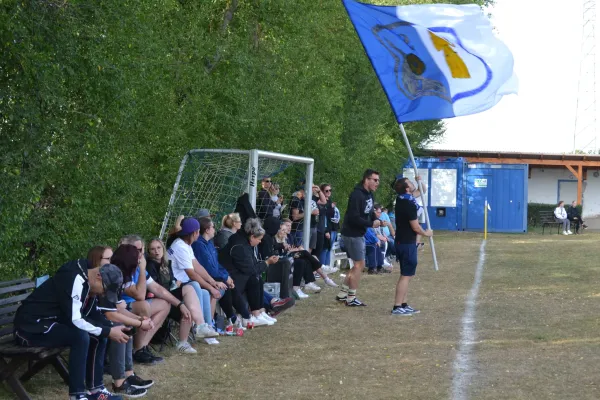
(536, 320)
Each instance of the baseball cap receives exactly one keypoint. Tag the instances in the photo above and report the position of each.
(112, 281)
(204, 213)
(188, 226)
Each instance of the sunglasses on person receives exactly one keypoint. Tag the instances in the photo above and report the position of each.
(374, 179)
(267, 181)
(327, 190)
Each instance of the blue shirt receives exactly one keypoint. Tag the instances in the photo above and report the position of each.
(206, 254)
(371, 236)
(134, 280)
(385, 217)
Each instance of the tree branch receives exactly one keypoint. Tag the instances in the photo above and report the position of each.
(211, 64)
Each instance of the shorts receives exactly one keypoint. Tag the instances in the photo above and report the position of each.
(354, 247)
(407, 257)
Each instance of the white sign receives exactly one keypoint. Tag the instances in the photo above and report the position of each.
(480, 182)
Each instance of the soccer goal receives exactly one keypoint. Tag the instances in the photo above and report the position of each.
(214, 179)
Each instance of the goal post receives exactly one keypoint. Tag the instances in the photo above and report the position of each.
(215, 178)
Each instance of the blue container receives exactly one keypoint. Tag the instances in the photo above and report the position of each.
(445, 199)
(458, 191)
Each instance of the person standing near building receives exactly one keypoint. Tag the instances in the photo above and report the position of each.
(407, 229)
(356, 222)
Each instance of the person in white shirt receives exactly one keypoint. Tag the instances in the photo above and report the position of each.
(560, 214)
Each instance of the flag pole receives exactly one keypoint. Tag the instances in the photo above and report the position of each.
(412, 159)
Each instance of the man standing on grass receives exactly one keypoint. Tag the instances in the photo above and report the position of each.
(407, 229)
(356, 222)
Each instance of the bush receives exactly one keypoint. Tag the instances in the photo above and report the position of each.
(533, 211)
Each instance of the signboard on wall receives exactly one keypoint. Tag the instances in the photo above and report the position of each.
(481, 183)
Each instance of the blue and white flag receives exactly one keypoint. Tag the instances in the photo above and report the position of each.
(436, 60)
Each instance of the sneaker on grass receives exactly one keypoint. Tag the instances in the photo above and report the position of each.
(401, 311)
(127, 390)
(186, 348)
(355, 303)
(138, 382)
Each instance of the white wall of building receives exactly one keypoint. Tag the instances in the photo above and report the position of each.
(544, 185)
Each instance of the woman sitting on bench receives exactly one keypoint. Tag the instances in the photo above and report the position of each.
(560, 214)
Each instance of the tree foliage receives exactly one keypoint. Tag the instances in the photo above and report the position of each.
(100, 100)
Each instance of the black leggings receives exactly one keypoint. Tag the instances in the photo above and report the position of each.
(252, 287)
(280, 272)
(319, 246)
(302, 269)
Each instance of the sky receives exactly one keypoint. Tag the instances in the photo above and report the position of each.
(545, 37)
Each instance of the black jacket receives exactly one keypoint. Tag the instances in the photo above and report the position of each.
(266, 248)
(572, 213)
(244, 208)
(239, 258)
(63, 298)
(358, 213)
(264, 204)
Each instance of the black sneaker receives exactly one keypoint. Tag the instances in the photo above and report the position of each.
(103, 394)
(383, 271)
(127, 390)
(355, 303)
(144, 356)
(139, 383)
(411, 310)
(372, 272)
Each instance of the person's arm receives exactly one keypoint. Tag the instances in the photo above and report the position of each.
(296, 215)
(414, 224)
(391, 227)
(71, 304)
(164, 294)
(417, 192)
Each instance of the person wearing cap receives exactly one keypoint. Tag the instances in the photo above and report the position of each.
(187, 269)
(63, 312)
(204, 213)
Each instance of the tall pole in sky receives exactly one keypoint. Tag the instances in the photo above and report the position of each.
(584, 134)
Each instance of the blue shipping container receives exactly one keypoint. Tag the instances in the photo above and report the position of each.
(457, 191)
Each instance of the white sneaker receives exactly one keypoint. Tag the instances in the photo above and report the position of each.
(186, 348)
(205, 331)
(565, 233)
(330, 282)
(386, 263)
(300, 294)
(312, 287)
(260, 321)
(267, 317)
(569, 232)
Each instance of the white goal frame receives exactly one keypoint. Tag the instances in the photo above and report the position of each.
(252, 181)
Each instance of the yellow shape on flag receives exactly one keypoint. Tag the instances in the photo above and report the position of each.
(457, 66)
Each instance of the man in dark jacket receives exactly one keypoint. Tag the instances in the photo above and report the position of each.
(575, 217)
(356, 222)
(63, 312)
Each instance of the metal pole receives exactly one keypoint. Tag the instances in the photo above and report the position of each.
(485, 220)
(307, 209)
(412, 159)
(252, 177)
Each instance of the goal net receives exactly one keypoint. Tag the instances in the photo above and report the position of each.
(215, 179)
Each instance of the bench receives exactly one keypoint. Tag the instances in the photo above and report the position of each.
(546, 218)
(36, 358)
(338, 255)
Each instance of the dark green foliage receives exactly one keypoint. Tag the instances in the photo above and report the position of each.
(533, 210)
(99, 101)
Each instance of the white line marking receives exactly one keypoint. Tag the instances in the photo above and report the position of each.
(463, 373)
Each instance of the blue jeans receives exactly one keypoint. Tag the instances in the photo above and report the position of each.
(298, 236)
(326, 253)
(267, 300)
(86, 355)
(204, 297)
(374, 256)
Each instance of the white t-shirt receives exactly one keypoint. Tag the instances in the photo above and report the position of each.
(181, 255)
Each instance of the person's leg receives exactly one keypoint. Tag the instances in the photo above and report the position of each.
(407, 257)
(370, 257)
(205, 301)
(95, 364)
(355, 248)
(191, 301)
(254, 293)
(58, 336)
(239, 301)
(226, 303)
(118, 355)
(300, 266)
(159, 309)
(280, 272)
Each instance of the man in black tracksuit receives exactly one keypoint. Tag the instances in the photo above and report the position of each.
(63, 311)
(356, 222)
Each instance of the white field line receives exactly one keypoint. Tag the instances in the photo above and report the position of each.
(462, 369)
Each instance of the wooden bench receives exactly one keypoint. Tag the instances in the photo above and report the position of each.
(546, 218)
(36, 358)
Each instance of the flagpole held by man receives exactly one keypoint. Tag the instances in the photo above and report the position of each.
(434, 61)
